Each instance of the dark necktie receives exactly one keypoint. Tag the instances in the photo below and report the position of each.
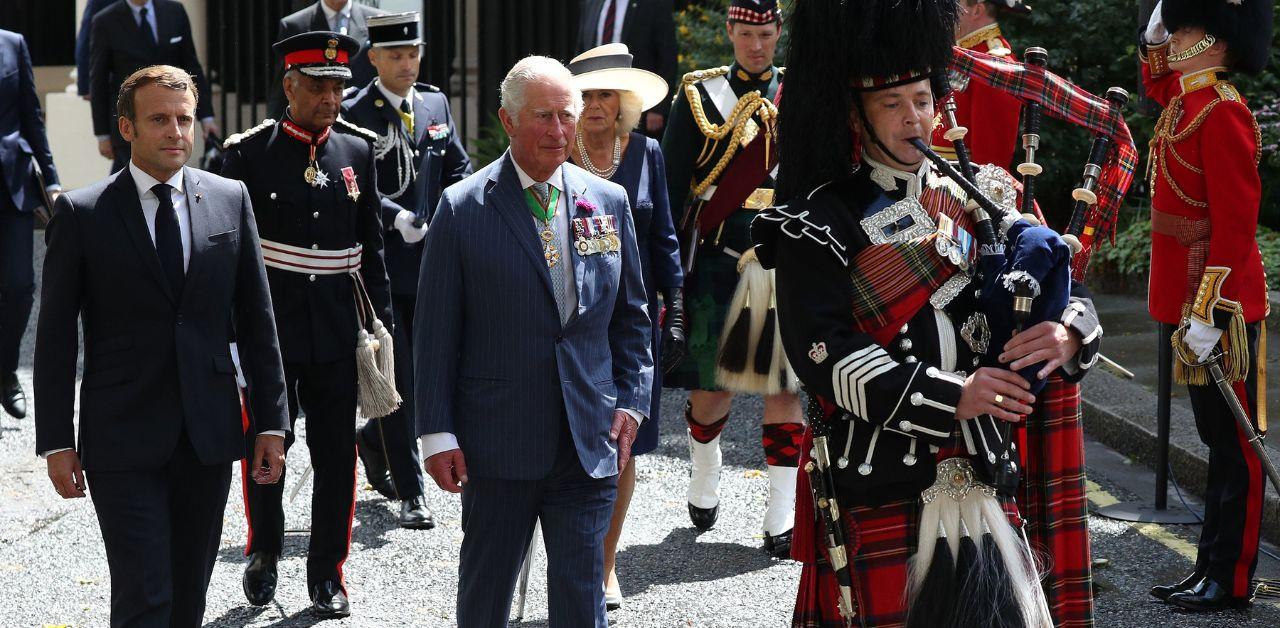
(169, 238)
(144, 28)
(606, 34)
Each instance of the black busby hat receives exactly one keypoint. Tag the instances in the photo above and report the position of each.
(322, 54)
(837, 51)
(394, 29)
(754, 11)
(1245, 25)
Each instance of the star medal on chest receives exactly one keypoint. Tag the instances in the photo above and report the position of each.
(313, 175)
(545, 213)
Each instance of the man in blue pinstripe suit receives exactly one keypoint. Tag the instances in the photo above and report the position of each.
(531, 349)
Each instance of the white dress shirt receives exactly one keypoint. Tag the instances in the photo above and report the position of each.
(437, 442)
(619, 13)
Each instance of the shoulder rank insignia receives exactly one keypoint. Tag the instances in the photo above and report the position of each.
(248, 133)
(697, 76)
(358, 130)
(1227, 91)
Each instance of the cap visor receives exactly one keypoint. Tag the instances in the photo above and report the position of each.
(338, 72)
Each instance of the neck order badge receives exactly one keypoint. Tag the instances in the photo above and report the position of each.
(545, 212)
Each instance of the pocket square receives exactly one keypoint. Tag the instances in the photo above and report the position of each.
(174, 40)
(222, 237)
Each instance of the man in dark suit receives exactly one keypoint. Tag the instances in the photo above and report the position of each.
(91, 8)
(161, 265)
(648, 30)
(24, 149)
(322, 243)
(130, 35)
(532, 355)
(346, 17)
(419, 154)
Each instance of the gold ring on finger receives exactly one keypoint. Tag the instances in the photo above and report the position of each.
(999, 399)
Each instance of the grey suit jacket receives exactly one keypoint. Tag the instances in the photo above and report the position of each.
(493, 363)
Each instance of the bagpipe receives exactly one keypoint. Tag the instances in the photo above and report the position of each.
(971, 565)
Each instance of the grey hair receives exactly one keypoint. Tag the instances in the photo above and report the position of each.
(629, 111)
(535, 69)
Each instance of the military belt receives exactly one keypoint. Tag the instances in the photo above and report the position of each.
(311, 261)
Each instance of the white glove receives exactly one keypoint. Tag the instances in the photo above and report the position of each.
(1156, 33)
(404, 224)
(1201, 338)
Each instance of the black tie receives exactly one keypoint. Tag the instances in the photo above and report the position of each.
(169, 238)
(148, 37)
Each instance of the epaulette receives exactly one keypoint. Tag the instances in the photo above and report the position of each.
(1227, 91)
(244, 135)
(358, 130)
(697, 76)
(996, 48)
(351, 89)
(427, 87)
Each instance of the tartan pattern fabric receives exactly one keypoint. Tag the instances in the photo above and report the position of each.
(781, 443)
(1053, 501)
(703, 433)
(892, 281)
(1062, 99)
(881, 541)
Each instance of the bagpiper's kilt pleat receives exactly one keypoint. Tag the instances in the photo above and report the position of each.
(1053, 502)
(881, 542)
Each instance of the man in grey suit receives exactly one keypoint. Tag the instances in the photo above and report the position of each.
(532, 354)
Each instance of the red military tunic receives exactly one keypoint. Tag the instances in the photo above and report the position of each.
(990, 115)
(1204, 166)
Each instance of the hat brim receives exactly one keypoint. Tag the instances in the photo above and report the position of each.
(327, 71)
(650, 87)
(403, 42)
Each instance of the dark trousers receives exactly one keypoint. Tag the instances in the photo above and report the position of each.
(327, 393)
(497, 524)
(1228, 550)
(17, 281)
(161, 528)
(393, 436)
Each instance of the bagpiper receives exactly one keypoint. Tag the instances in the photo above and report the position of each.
(906, 508)
(419, 153)
(990, 115)
(1206, 271)
(315, 196)
(721, 147)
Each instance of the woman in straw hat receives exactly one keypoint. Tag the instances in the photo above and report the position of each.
(614, 96)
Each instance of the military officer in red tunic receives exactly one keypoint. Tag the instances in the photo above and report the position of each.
(990, 115)
(1206, 271)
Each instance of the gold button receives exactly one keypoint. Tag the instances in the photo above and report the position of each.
(315, 246)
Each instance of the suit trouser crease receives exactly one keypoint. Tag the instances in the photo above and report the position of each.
(161, 528)
(1228, 546)
(326, 393)
(498, 518)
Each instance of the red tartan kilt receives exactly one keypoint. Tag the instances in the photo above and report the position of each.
(880, 542)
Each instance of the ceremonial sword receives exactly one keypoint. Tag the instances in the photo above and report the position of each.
(1214, 363)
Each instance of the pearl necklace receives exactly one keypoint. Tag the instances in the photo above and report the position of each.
(599, 172)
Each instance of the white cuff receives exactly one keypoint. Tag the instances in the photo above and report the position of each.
(279, 433)
(46, 454)
(53, 188)
(102, 137)
(437, 442)
(635, 414)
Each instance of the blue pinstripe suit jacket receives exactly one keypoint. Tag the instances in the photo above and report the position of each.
(493, 364)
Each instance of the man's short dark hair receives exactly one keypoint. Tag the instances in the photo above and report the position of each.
(162, 75)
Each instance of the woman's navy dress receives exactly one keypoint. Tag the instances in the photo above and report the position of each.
(644, 175)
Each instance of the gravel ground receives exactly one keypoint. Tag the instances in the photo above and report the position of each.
(53, 568)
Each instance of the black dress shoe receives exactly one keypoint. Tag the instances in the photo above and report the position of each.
(778, 546)
(414, 514)
(1163, 591)
(12, 397)
(375, 466)
(1207, 595)
(259, 580)
(328, 600)
(704, 518)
